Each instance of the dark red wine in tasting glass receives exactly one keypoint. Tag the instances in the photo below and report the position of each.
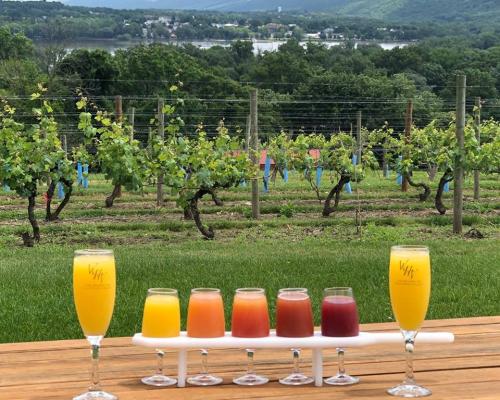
(339, 316)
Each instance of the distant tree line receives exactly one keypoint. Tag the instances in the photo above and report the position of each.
(301, 89)
(56, 21)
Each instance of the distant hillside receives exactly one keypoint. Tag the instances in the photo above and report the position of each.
(386, 9)
(423, 9)
(222, 5)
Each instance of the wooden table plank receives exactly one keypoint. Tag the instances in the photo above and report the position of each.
(467, 369)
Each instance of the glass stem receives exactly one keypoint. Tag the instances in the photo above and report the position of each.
(250, 366)
(204, 362)
(409, 348)
(296, 361)
(159, 357)
(340, 356)
(94, 371)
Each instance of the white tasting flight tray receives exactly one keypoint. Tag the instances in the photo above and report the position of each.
(317, 343)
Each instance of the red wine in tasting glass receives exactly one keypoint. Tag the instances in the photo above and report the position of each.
(294, 315)
(294, 319)
(339, 316)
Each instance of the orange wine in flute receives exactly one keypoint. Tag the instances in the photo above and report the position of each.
(94, 291)
(205, 320)
(410, 289)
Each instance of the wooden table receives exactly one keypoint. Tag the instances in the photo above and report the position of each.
(466, 369)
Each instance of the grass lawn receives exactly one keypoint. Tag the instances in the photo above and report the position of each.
(36, 291)
(155, 247)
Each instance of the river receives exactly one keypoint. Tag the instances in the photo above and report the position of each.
(259, 46)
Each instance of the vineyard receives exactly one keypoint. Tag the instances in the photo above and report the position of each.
(197, 191)
(269, 205)
(158, 245)
(35, 160)
(289, 210)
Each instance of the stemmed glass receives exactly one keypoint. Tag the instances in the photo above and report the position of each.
(294, 319)
(410, 288)
(161, 319)
(205, 320)
(250, 319)
(339, 318)
(94, 290)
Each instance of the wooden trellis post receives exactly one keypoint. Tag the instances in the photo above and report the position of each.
(119, 118)
(359, 145)
(161, 134)
(458, 168)
(477, 129)
(408, 125)
(255, 155)
(132, 123)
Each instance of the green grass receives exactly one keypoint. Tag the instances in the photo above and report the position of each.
(37, 293)
(155, 247)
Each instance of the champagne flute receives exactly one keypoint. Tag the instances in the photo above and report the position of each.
(339, 318)
(205, 320)
(94, 290)
(161, 319)
(250, 319)
(294, 319)
(410, 288)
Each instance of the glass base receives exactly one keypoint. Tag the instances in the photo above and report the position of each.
(96, 395)
(296, 379)
(251, 380)
(159, 381)
(409, 391)
(204, 380)
(342, 380)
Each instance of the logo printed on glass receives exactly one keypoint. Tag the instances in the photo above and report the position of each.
(408, 273)
(96, 273)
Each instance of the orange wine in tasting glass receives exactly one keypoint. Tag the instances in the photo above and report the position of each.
(161, 319)
(205, 320)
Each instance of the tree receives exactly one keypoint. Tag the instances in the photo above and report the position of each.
(405, 154)
(19, 77)
(338, 158)
(50, 56)
(335, 155)
(14, 45)
(484, 158)
(207, 165)
(280, 149)
(31, 154)
(415, 152)
(122, 160)
(94, 71)
(435, 147)
(242, 51)
(303, 160)
(488, 160)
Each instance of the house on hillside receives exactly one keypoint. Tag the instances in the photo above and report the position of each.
(273, 27)
(313, 36)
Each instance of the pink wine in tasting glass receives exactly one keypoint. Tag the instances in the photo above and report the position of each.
(339, 316)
